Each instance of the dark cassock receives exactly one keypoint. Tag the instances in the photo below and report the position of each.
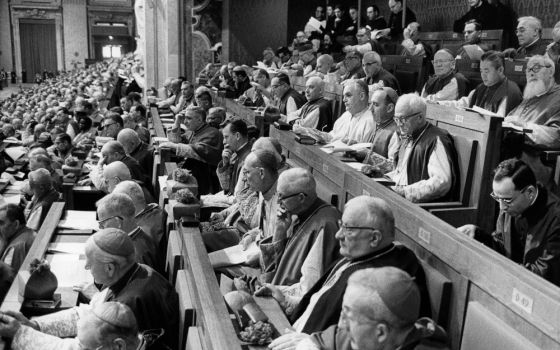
(492, 97)
(239, 88)
(356, 73)
(485, 14)
(377, 23)
(537, 47)
(325, 118)
(395, 23)
(146, 249)
(144, 155)
(318, 222)
(203, 151)
(297, 98)
(436, 84)
(150, 296)
(382, 136)
(143, 133)
(229, 175)
(136, 171)
(423, 144)
(152, 221)
(388, 79)
(531, 239)
(321, 306)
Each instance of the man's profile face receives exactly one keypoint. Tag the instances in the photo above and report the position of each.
(214, 119)
(354, 236)
(351, 98)
(370, 13)
(379, 106)
(353, 14)
(312, 89)
(193, 121)
(61, 145)
(97, 268)
(278, 87)
(362, 37)
(230, 139)
(203, 101)
(470, 33)
(351, 61)
(252, 174)
(395, 6)
(319, 13)
(513, 201)
(526, 33)
(323, 67)
(371, 66)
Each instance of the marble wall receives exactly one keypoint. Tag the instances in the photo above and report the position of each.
(74, 16)
(6, 60)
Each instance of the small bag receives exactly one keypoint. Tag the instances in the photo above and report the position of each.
(41, 283)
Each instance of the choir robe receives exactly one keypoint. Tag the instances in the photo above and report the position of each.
(320, 218)
(325, 121)
(536, 48)
(382, 136)
(150, 296)
(296, 97)
(326, 311)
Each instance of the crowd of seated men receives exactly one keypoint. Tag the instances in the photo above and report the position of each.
(341, 278)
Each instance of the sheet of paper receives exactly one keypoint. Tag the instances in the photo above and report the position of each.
(162, 182)
(316, 24)
(485, 111)
(232, 256)
(339, 146)
(15, 153)
(14, 199)
(356, 165)
(69, 269)
(157, 139)
(474, 52)
(79, 220)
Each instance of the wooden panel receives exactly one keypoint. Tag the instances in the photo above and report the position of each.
(186, 307)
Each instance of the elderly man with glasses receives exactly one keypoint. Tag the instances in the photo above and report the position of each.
(446, 84)
(376, 74)
(366, 238)
(110, 257)
(538, 113)
(528, 227)
(427, 167)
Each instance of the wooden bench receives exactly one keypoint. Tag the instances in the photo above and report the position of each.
(453, 41)
(476, 272)
(409, 71)
(515, 71)
(250, 116)
(471, 70)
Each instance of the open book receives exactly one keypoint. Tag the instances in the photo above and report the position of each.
(339, 146)
(232, 256)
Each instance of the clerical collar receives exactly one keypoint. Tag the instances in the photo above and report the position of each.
(533, 43)
(373, 255)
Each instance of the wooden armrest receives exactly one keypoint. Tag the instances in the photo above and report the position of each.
(443, 205)
(551, 155)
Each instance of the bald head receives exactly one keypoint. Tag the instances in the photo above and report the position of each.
(114, 173)
(271, 144)
(112, 151)
(297, 186)
(129, 140)
(325, 63)
(314, 88)
(134, 191)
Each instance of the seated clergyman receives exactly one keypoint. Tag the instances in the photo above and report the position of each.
(44, 195)
(539, 112)
(380, 311)
(426, 165)
(201, 147)
(527, 230)
(317, 111)
(111, 259)
(496, 93)
(304, 240)
(446, 84)
(107, 324)
(356, 124)
(366, 237)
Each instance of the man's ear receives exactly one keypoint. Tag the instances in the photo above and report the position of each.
(376, 238)
(110, 269)
(118, 344)
(390, 107)
(381, 333)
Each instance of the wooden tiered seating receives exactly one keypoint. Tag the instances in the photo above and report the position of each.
(453, 41)
(409, 71)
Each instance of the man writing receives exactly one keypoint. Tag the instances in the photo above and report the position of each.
(527, 229)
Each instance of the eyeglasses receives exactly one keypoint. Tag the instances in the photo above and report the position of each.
(107, 125)
(403, 119)
(369, 63)
(507, 201)
(275, 86)
(350, 58)
(345, 229)
(536, 68)
(280, 199)
(102, 222)
(468, 31)
(438, 62)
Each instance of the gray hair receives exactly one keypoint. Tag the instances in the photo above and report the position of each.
(131, 189)
(410, 104)
(544, 61)
(532, 21)
(299, 179)
(117, 204)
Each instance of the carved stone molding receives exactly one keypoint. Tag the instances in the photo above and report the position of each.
(38, 13)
